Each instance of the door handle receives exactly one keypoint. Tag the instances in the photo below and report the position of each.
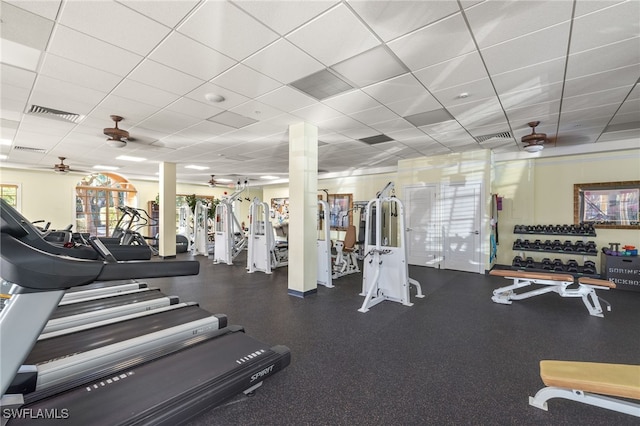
(477, 232)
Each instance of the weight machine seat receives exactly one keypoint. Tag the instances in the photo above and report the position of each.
(596, 282)
(507, 273)
(350, 239)
(606, 379)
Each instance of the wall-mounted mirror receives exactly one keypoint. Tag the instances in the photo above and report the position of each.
(607, 205)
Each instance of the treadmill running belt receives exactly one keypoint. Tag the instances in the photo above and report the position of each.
(169, 390)
(107, 302)
(86, 340)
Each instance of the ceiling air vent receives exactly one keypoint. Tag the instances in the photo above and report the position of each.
(30, 149)
(485, 138)
(54, 113)
(372, 140)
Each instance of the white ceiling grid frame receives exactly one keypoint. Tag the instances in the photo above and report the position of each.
(113, 23)
(283, 61)
(165, 78)
(194, 108)
(246, 81)
(370, 67)
(334, 36)
(351, 102)
(60, 95)
(286, 99)
(72, 72)
(227, 29)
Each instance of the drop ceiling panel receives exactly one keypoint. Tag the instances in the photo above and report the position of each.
(351, 102)
(334, 36)
(242, 79)
(231, 98)
(284, 62)
(396, 89)
(589, 32)
(340, 123)
(544, 45)
(475, 90)
(146, 94)
(514, 18)
(596, 99)
(194, 108)
(92, 52)
(604, 58)
(47, 9)
(374, 115)
(168, 13)
(132, 110)
(114, 23)
(423, 47)
(453, 72)
(162, 77)
(316, 113)
(621, 77)
(537, 75)
(24, 27)
(370, 67)
(51, 93)
(284, 16)
(286, 99)
(393, 19)
(184, 54)
(72, 72)
(227, 29)
(169, 122)
(393, 125)
(532, 96)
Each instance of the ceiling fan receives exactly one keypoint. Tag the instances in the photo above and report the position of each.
(61, 168)
(213, 183)
(535, 141)
(117, 137)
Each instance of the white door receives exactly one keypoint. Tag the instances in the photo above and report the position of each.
(424, 245)
(460, 214)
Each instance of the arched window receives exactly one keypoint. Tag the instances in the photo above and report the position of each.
(98, 197)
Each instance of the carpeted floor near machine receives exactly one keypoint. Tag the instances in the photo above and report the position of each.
(455, 357)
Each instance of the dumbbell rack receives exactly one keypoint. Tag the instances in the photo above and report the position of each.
(579, 247)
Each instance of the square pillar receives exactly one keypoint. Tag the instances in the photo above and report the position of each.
(167, 217)
(303, 207)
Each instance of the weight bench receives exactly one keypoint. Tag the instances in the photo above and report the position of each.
(551, 282)
(590, 383)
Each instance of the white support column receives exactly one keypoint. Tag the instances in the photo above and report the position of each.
(303, 202)
(167, 219)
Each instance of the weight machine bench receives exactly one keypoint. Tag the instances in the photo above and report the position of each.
(590, 383)
(551, 282)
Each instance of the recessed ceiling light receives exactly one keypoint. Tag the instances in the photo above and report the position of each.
(463, 95)
(269, 177)
(195, 167)
(214, 97)
(224, 180)
(129, 158)
(3, 157)
(6, 142)
(101, 167)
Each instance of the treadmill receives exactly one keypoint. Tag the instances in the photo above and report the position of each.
(202, 371)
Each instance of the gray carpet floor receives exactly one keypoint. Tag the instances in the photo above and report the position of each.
(454, 358)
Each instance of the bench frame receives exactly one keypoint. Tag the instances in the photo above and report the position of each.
(545, 394)
(557, 283)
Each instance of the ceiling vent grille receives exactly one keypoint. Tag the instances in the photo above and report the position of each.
(372, 140)
(30, 149)
(54, 113)
(501, 135)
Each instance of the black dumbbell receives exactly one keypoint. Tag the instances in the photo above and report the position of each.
(517, 261)
(529, 263)
(546, 263)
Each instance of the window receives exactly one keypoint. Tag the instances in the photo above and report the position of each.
(10, 194)
(98, 197)
(607, 205)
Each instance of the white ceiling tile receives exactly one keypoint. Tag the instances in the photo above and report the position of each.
(340, 123)
(421, 103)
(316, 113)
(360, 132)
(92, 52)
(396, 124)
(161, 76)
(423, 47)
(16, 77)
(63, 69)
(370, 67)
(256, 110)
(454, 72)
(114, 23)
(478, 89)
(393, 19)
(47, 9)
(621, 77)
(495, 22)
(25, 28)
(204, 130)
(350, 102)
(537, 75)
(610, 25)
(132, 110)
(595, 99)
(531, 96)
(604, 58)
(242, 79)
(63, 96)
(284, 62)
(227, 29)
(334, 36)
(141, 92)
(538, 112)
(396, 89)
(584, 7)
(374, 115)
(194, 108)
(184, 54)
(169, 122)
(167, 12)
(407, 134)
(540, 46)
(286, 99)
(284, 16)
(231, 98)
